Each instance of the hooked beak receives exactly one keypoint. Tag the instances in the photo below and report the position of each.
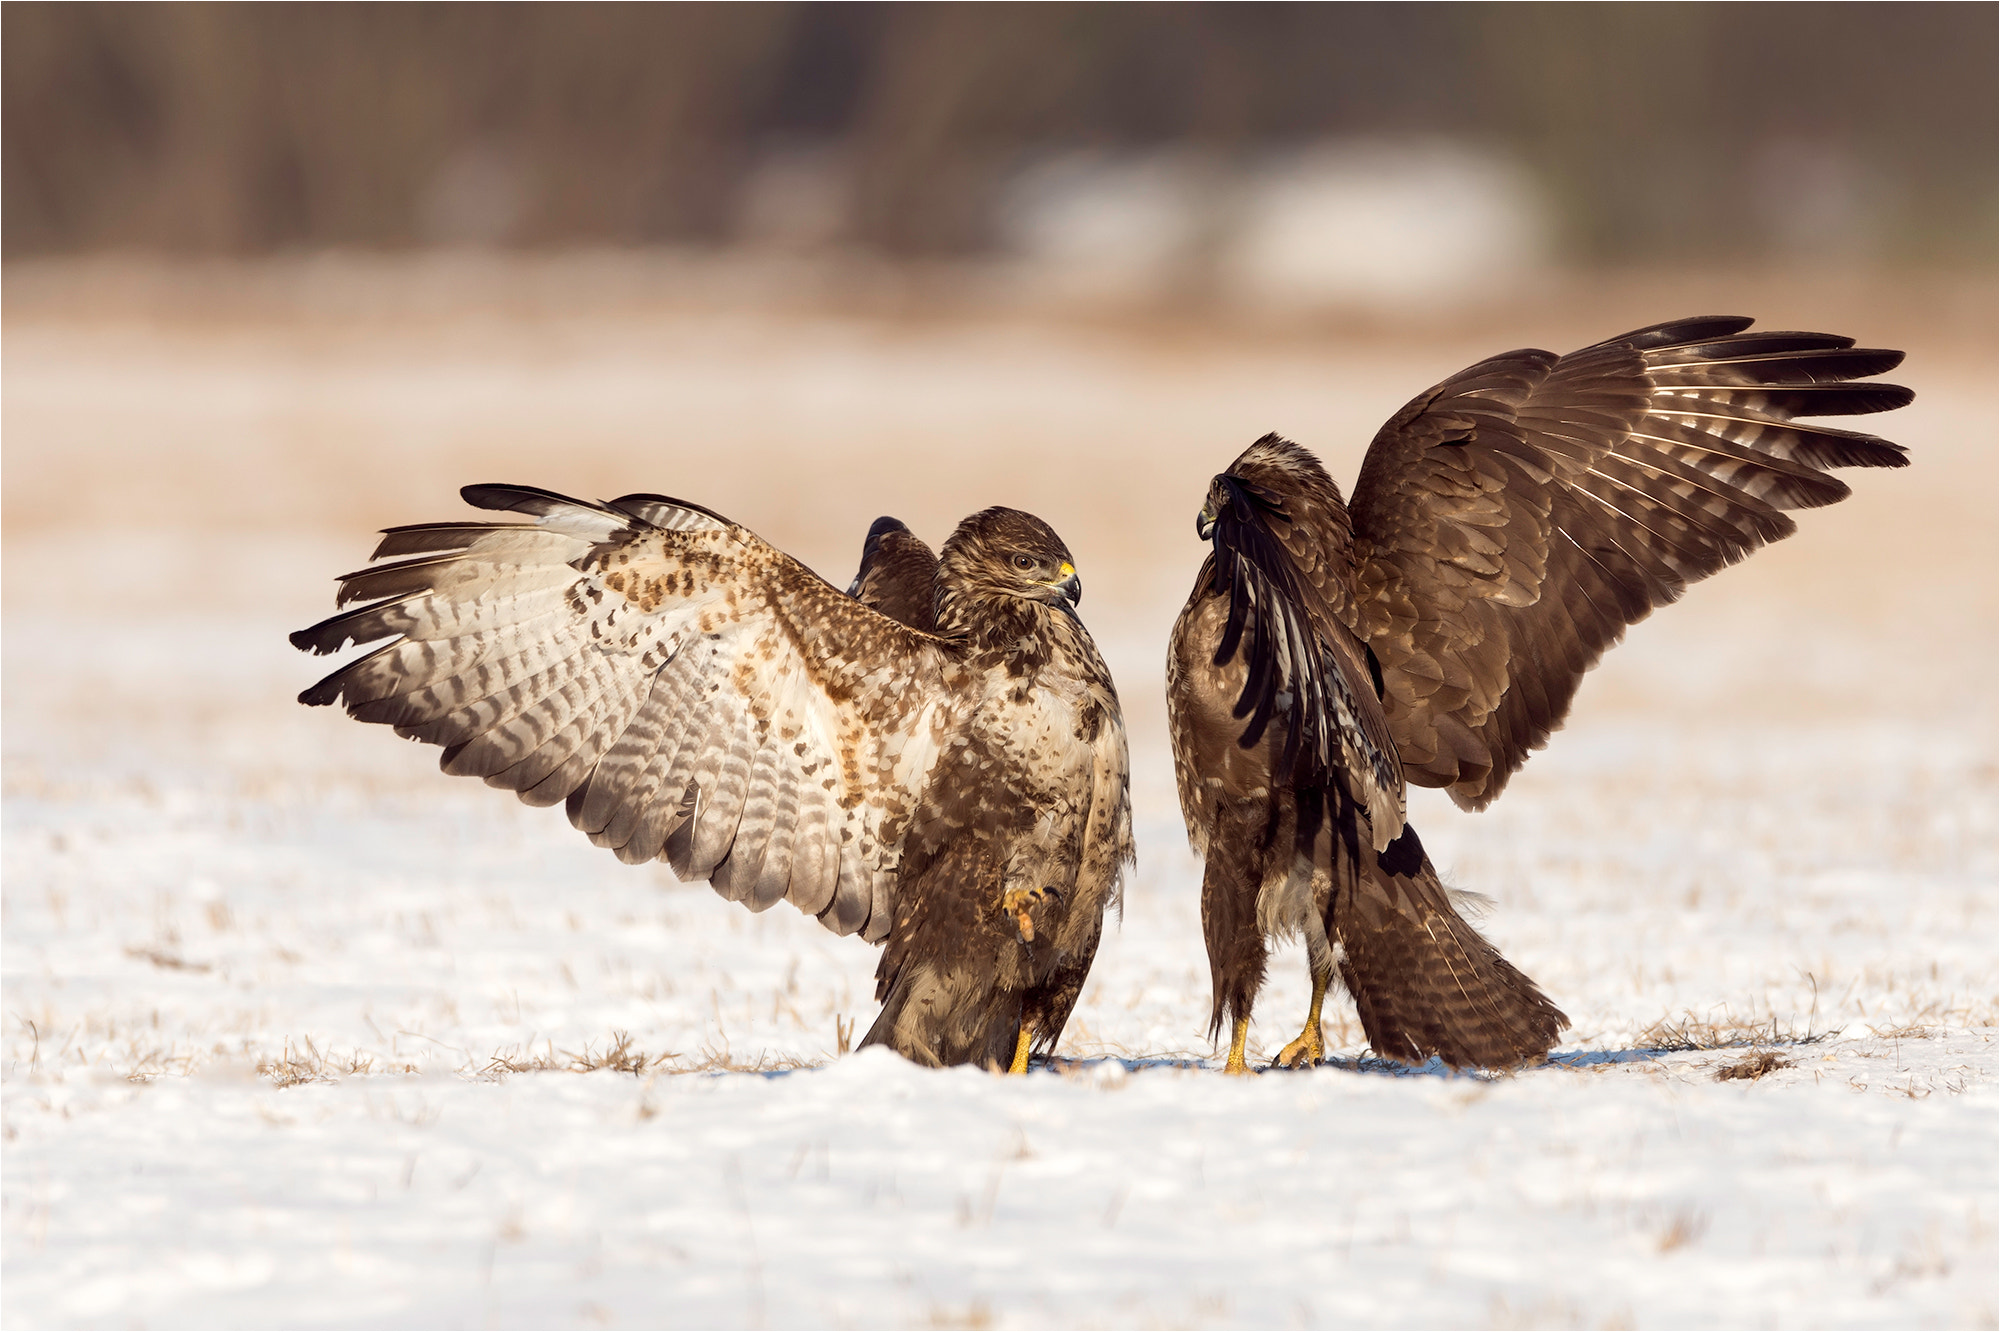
(1204, 524)
(1070, 586)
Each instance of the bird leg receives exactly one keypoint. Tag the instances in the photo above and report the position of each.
(1236, 1040)
(1310, 1047)
(1026, 1039)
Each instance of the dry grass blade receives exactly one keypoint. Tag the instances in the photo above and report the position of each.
(1673, 1036)
(295, 1066)
(1681, 1230)
(620, 1057)
(166, 961)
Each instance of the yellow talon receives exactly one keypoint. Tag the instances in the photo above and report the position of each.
(1019, 901)
(1027, 1038)
(1307, 1050)
(1310, 1047)
(1236, 1040)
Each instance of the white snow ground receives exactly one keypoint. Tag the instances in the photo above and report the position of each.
(300, 1032)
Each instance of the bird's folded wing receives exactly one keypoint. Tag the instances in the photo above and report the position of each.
(689, 691)
(1511, 522)
(1302, 670)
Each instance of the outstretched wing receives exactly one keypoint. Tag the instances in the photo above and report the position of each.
(689, 691)
(1300, 667)
(898, 575)
(1511, 522)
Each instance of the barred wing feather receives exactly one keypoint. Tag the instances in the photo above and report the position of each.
(1510, 523)
(688, 691)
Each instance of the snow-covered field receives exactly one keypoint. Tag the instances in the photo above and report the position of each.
(299, 1031)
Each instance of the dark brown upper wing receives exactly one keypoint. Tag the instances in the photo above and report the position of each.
(1511, 522)
(898, 575)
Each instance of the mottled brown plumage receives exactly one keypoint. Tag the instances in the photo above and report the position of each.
(898, 575)
(1506, 527)
(945, 775)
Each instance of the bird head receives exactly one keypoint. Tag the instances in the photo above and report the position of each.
(1012, 554)
(1272, 481)
(1227, 499)
(1224, 494)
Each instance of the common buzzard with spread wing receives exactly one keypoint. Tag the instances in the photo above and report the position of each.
(1506, 527)
(936, 762)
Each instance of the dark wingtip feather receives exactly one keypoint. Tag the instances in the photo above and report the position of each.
(516, 499)
(325, 638)
(351, 626)
(324, 691)
(1847, 448)
(1785, 358)
(1696, 328)
(429, 538)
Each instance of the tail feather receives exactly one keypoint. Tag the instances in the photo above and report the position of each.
(949, 995)
(1424, 981)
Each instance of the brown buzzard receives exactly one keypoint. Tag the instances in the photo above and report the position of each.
(1506, 527)
(936, 763)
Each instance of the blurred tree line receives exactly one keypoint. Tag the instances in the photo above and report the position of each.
(229, 128)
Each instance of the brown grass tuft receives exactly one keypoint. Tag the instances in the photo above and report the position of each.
(619, 1057)
(1751, 1068)
(1688, 1032)
(309, 1064)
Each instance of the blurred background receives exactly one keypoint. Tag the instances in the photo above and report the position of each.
(1195, 151)
(278, 275)
(1188, 147)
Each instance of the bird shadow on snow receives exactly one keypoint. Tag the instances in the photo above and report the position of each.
(1095, 1068)
(1087, 1066)
(1364, 1065)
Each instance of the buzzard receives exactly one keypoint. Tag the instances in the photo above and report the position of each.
(936, 762)
(1506, 527)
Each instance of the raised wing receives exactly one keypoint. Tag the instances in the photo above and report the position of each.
(690, 692)
(1511, 522)
(1275, 567)
(898, 575)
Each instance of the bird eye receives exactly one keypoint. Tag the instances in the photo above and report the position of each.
(1024, 563)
